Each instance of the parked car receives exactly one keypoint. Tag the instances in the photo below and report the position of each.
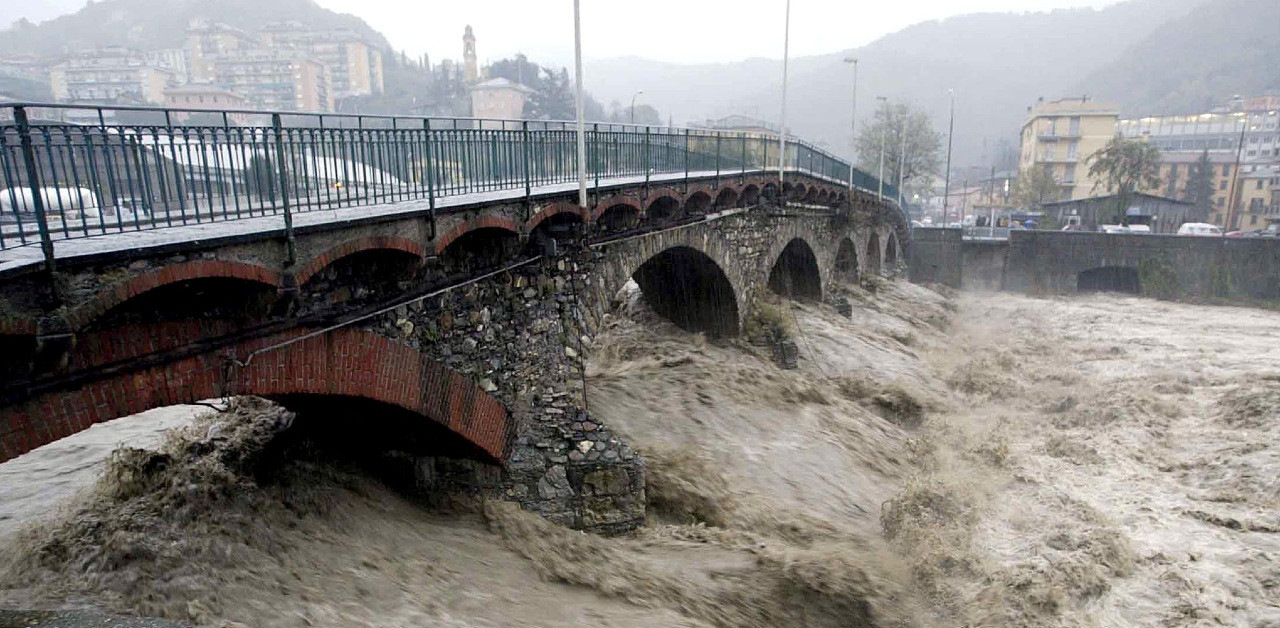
(1199, 229)
(1140, 229)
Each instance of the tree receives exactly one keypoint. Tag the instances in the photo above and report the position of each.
(1034, 187)
(924, 147)
(1199, 190)
(552, 98)
(1122, 167)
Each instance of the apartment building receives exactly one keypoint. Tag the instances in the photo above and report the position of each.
(275, 80)
(209, 41)
(355, 67)
(1059, 136)
(113, 74)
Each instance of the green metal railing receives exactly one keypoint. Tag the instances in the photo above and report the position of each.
(75, 171)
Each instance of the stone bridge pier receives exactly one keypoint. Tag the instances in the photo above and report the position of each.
(463, 353)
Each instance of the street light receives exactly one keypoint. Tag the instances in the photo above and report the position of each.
(902, 158)
(782, 125)
(633, 106)
(946, 185)
(582, 125)
(884, 139)
(853, 121)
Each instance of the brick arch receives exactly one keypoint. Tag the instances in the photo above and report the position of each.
(553, 210)
(118, 293)
(371, 243)
(481, 222)
(344, 362)
(607, 204)
(657, 197)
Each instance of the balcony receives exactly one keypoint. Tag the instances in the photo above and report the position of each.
(1058, 137)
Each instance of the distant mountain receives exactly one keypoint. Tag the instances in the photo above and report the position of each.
(998, 64)
(1196, 62)
(154, 24)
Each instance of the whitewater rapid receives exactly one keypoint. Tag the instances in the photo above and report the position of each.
(983, 460)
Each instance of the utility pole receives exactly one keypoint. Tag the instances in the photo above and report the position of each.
(582, 125)
(946, 185)
(884, 139)
(902, 158)
(782, 125)
(853, 123)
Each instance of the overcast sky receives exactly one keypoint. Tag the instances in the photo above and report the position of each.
(666, 30)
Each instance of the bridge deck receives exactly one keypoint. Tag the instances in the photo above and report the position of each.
(272, 225)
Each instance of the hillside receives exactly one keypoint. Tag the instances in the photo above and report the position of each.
(1193, 63)
(153, 24)
(997, 63)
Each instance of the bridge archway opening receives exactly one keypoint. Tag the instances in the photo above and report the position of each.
(795, 274)
(873, 253)
(558, 229)
(813, 195)
(210, 298)
(664, 210)
(750, 196)
(486, 247)
(798, 193)
(366, 275)
(1109, 279)
(689, 289)
(770, 193)
(697, 204)
(618, 218)
(847, 260)
(389, 440)
(726, 199)
(891, 251)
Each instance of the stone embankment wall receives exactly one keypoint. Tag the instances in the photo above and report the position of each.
(1051, 262)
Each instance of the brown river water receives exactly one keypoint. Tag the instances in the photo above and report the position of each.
(959, 460)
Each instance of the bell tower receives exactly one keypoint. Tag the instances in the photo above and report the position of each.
(471, 71)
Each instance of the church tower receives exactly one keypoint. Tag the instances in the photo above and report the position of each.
(471, 72)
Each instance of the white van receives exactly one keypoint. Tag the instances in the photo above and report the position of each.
(1199, 229)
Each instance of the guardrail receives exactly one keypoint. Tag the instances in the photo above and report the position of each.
(73, 171)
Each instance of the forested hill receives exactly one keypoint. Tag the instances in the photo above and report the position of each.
(1190, 64)
(154, 24)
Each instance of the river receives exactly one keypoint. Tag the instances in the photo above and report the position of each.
(960, 460)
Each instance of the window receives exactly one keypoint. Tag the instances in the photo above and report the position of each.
(1259, 187)
(1075, 126)
(1071, 150)
(1222, 185)
(1070, 175)
(1226, 170)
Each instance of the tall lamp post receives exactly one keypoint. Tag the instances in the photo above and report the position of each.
(853, 121)
(902, 159)
(946, 185)
(582, 125)
(884, 139)
(782, 124)
(633, 106)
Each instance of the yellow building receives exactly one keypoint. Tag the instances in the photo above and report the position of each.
(1259, 197)
(209, 41)
(210, 97)
(276, 81)
(1059, 136)
(498, 99)
(355, 68)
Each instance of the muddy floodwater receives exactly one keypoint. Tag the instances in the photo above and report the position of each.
(936, 460)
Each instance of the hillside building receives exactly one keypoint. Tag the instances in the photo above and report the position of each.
(499, 99)
(275, 80)
(110, 75)
(354, 67)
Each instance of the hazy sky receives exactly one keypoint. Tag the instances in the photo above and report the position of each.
(667, 30)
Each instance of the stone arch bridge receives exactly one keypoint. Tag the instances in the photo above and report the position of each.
(471, 324)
